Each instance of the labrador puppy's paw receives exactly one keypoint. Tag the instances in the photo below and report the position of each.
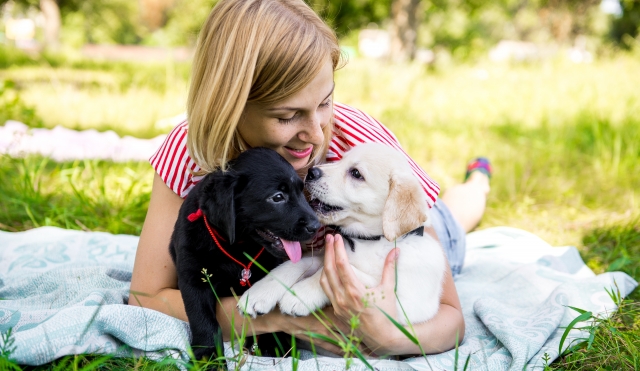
(260, 299)
(313, 298)
(293, 306)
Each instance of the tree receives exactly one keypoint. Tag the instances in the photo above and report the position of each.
(627, 26)
(404, 29)
(52, 23)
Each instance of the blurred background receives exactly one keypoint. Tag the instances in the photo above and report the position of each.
(547, 89)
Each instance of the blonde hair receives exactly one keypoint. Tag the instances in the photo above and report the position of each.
(251, 51)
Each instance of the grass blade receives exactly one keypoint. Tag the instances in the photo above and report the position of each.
(401, 328)
(582, 317)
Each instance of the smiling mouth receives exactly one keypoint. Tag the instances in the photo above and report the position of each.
(299, 153)
(322, 208)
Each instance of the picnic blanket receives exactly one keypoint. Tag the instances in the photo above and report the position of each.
(63, 292)
(63, 144)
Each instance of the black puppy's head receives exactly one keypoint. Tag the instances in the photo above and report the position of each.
(260, 198)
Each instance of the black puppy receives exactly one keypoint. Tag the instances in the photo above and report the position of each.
(256, 207)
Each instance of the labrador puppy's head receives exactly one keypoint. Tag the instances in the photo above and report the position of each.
(371, 191)
(260, 198)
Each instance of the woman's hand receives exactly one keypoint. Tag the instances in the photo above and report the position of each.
(350, 298)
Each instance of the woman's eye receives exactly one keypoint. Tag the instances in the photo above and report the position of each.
(356, 174)
(286, 121)
(326, 104)
(278, 197)
(289, 119)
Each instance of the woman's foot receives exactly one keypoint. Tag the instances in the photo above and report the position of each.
(480, 164)
(467, 201)
(479, 173)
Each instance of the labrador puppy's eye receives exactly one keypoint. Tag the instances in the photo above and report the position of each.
(356, 174)
(277, 198)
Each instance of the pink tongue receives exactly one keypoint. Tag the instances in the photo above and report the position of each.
(293, 249)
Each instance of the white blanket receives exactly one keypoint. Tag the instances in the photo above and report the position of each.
(64, 291)
(62, 144)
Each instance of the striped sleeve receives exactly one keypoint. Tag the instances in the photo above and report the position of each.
(353, 127)
(173, 164)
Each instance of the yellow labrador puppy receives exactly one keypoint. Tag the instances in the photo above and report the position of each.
(372, 198)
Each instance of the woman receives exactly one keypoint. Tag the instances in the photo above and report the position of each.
(263, 76)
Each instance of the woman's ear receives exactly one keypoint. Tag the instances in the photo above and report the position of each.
(405, 208)
(217, 202)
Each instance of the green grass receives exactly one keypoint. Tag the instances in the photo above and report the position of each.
(614, 343)
(89, 195)
(564, 141)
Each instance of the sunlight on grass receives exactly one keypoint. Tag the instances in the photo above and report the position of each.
(91, 195)
(564, 139)
(123, 101)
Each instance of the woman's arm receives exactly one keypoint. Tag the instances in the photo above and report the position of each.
(154, 283)
(379, 334)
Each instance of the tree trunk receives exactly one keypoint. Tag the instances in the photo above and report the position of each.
(404, 29)
(52, 23)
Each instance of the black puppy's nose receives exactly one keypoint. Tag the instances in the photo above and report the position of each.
(311, 225)
(313, 174)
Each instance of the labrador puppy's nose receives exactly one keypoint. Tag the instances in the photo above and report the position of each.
(313, 174)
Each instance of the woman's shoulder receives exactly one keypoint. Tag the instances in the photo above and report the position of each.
(353, 126)
(347, 114)
(172, 161)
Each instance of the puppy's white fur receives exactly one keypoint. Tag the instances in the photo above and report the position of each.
(378, 195)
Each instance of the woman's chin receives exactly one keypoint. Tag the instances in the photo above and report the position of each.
(297, 163)
(300, 164)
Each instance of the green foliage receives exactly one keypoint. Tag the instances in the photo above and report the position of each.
(10, 56)
(350, 15)
(127, 97)
(12, 107)
(610, 343)
(468, 28)
(86, 362)
(627, 27)
(97, 21)
(92, 195)
(7, 348)
(184, 21)
(103, 22)
(614, 248)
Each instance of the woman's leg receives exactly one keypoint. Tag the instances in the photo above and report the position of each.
(467, 201)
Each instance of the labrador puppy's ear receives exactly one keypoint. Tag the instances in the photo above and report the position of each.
(217, 202)
(405, 208)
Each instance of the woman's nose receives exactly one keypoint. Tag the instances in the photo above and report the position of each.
(312, 132)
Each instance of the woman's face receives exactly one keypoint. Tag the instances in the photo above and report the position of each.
(292, 127)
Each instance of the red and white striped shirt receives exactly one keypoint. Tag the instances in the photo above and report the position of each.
(351, 127)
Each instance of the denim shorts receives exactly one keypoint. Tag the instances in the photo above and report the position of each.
(451, 235)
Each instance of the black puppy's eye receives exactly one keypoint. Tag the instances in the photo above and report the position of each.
(356, 174)
(278, 197)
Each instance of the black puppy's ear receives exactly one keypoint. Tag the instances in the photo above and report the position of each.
(216, 202)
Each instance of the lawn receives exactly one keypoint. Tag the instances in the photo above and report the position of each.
(564, 140)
